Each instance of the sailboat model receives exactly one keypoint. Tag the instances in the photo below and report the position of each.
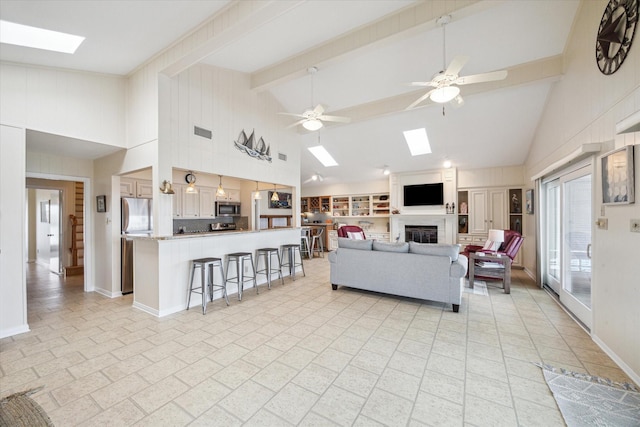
(264, 150)
(255, 149)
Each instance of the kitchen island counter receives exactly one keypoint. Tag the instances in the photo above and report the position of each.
(162, 263)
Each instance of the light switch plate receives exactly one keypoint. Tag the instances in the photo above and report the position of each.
(635, 225)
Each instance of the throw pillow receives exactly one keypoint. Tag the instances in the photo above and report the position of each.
(390, 247)
(452, 251)
(356, 235)
(491, 246)
(364, 245)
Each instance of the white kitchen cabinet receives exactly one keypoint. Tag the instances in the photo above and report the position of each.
(178, 190)
(190, 205)
(127, 187)
(361, 205)
(144, 189)
(141, 188)
(207, 202)
(230, 195)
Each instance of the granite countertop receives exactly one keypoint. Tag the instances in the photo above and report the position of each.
(204, 234)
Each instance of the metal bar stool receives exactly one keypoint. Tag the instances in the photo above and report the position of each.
(317, 242)
(290, 249)
(267, 253)
(305, 241)
(206, 266)
(239, 258)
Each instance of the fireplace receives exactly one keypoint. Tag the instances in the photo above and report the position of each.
(421, 233)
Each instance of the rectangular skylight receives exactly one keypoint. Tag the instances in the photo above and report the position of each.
(323, 156)
(418, 141)
(24, 35)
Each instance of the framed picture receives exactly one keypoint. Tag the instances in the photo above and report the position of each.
(44, 210)
(618, 177)
(283, 202)
(528, 201)
(101, 203)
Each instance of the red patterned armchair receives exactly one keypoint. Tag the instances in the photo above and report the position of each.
(353, 229)
(510, 247)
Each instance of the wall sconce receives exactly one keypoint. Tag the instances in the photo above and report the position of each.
(257, 196)
(275, 197)
(220, 191)
(191, 180)
(166, 188)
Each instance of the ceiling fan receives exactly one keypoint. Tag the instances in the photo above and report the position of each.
(315, 177)
(445, 83)
(313, 119)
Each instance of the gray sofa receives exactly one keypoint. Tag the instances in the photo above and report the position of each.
(418, 270)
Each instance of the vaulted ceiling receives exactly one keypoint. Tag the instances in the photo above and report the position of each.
(366, 52)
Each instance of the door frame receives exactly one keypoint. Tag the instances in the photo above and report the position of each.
(88, 220)
(590, 163)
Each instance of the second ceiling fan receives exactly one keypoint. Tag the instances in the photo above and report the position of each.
(445, 83)
(313, 119)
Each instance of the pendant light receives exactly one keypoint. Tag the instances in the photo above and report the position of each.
(257, 196)
(220, 191)
(275, 197)
(190, 178)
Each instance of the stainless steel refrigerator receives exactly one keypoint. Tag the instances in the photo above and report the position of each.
(136, 219)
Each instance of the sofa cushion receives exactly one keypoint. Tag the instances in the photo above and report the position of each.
(356, 235)
(347, 243)
(390, 247)
(451, 251)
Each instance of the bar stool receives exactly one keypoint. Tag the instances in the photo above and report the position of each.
(206, 266)
(290, 249)
(239, 258)
(317, 242)
(305, 241)
(267, 253)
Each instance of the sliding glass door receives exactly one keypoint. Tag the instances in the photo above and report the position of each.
(567, 240)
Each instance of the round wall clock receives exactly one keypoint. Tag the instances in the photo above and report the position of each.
(190, 178)
(615, 34)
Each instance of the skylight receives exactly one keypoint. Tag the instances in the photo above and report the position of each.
(38, 38)
(418, 141)
(323, 156)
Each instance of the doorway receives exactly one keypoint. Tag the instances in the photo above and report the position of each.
(567, 230)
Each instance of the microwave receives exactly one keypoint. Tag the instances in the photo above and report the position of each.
(227, 209)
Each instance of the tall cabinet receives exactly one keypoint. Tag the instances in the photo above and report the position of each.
(482, 209)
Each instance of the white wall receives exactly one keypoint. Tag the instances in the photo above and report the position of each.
(583, 108)
(80, 105)
(13, 292)
(348, 188)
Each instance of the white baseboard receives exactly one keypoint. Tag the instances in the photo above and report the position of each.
(108, 294)
(4, 333)
(626, 368)
(146, 309)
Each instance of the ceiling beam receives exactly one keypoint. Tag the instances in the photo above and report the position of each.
(402, 24)
(546, 69)
(235, 21)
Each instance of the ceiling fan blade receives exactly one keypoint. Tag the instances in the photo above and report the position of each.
(456, 65)
(422, 84)
(307, 181)
(419, 100)
(319, 109)
(479, 78)
(299, 122)
(292, 114)
(335, 119)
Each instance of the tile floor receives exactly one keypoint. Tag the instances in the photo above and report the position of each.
(299, 354)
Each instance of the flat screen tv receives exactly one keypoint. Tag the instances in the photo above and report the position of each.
(424, 194)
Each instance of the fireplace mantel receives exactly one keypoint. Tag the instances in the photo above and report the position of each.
(446, 225)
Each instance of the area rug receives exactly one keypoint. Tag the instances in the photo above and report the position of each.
(479, 287)
(20, 410)
(587, 400)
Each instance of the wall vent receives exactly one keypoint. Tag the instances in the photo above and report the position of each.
(282, 157)
(205, 133)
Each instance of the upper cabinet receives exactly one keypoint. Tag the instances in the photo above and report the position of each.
(230, 195)
(140, 188)
(193, 205)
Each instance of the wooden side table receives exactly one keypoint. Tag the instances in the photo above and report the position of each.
(494, 266)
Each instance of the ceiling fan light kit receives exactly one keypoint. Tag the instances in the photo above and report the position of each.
(444, 94)
(312, 124)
